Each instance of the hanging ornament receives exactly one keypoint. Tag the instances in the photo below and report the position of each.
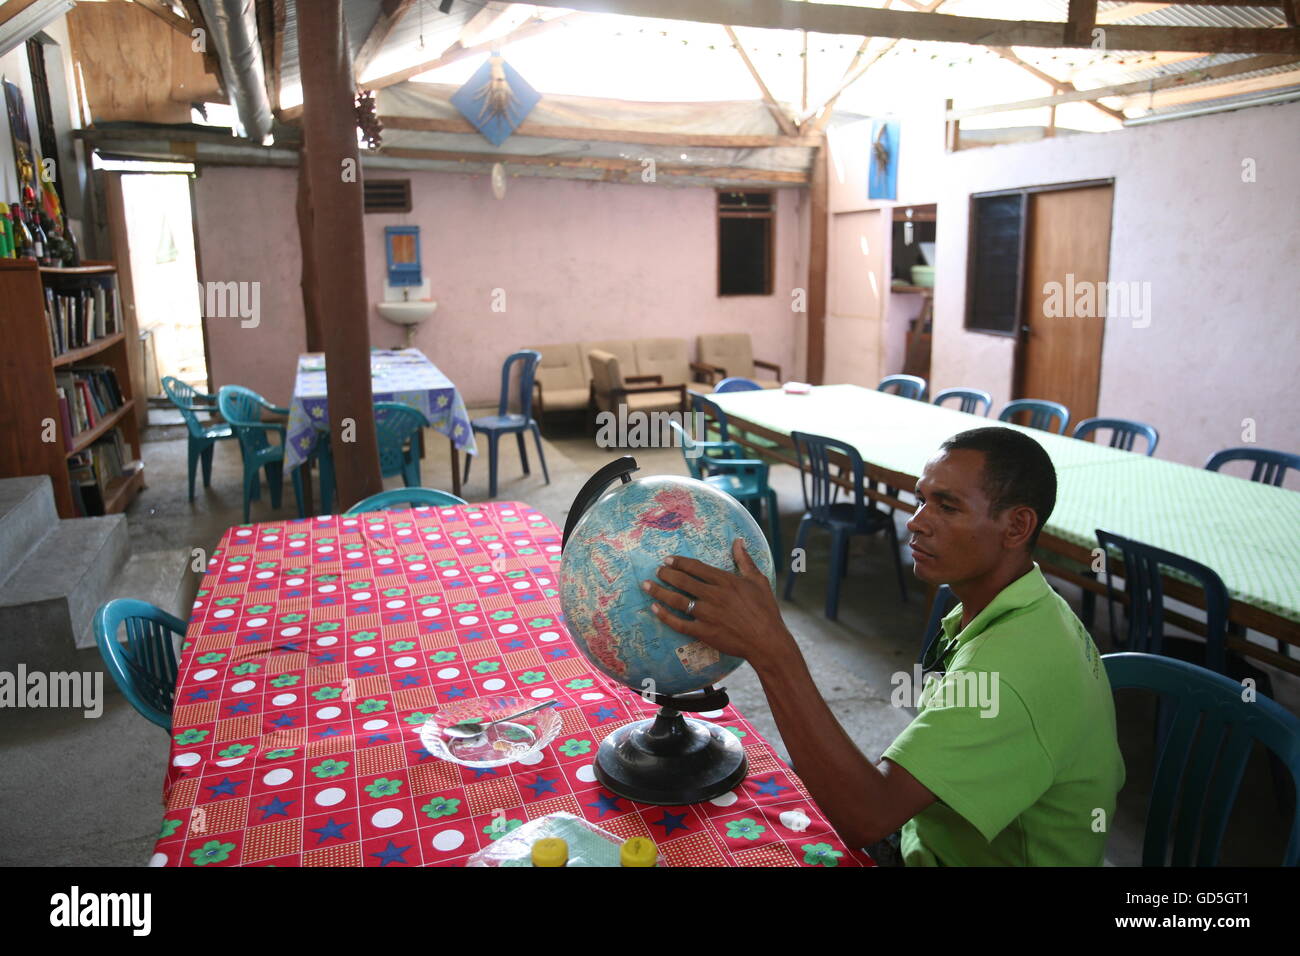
(496, 99)
(499, 180)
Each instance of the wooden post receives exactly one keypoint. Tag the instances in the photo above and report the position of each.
(310, 312)
(333, 241)
(818, 226)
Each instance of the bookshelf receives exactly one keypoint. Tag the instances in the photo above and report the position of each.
(29, 403)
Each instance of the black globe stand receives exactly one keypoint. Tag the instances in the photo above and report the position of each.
(670, 760)
(667, 760)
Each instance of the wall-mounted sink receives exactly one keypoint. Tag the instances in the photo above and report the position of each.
(406, 313)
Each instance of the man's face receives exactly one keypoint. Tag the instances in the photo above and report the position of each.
(954, 538)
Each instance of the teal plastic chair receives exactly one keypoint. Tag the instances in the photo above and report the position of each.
(1123, 432)
(404, 498)
(972, 401)
(722, 465)
(904, 386)
(1044, 415)
(1201, 762)
(145, 666)
(398, 428)
(243, 408)
(203, 436)
(505, 422)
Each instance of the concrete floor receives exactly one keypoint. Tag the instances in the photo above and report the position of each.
(77, 792)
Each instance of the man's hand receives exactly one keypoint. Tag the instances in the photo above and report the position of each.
(735, 613)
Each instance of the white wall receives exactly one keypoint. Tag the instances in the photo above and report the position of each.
(1222, 258)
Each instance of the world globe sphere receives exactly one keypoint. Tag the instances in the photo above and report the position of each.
(620, 542)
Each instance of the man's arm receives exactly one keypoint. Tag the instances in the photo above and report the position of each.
(738, 615)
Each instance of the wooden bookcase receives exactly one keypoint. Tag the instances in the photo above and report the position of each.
(28, 396)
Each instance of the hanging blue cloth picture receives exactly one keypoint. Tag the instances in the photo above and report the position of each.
(495, 99)
(882, 181)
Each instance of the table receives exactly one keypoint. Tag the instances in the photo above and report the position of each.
(1249, 533)
(270, 764)
(398, 375)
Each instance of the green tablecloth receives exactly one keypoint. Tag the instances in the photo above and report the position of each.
(1247, 532)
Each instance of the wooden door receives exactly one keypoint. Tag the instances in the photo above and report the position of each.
(1067, 260)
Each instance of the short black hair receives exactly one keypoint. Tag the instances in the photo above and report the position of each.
(1016, 471)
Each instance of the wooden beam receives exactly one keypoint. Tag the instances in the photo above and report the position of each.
(486, 19)
(167, 15)
(278, 59)
(818, 239)
(339, 269)
(909, 25)
(390, 14)
(1213, 91)
(1079, 21)
(1063, 86)
(628, 166)
(646, 137)
(12, 8)
(803, 97)
(1187, 77)
(778, 113)
(456, 53)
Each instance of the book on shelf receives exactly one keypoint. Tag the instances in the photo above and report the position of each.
(92, 471)
(87, 394)
(78, 313)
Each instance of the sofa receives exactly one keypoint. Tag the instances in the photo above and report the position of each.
(732, 356)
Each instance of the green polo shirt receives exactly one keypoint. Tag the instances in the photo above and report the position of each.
(1017, 740)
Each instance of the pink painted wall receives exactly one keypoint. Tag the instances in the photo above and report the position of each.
(1220, 255)
(576, 260)
(248, 232)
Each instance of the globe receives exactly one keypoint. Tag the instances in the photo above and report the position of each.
(621, 541)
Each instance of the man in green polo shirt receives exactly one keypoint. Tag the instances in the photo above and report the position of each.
(1012, 758)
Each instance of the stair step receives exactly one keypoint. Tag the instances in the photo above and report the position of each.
(48, 603)
(27, 514)
(162, 578)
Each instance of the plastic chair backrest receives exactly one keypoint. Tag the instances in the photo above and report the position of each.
(1123, 432)
(688, 444)
(1144, 588)
(1041, 413)
(904, 386)
(517, 384)
(944, 601)
(186, 397)
(1270, 466)
(145, 667)
(816, 472)
(737, 384)
(242, 408)
(703, 406)
(973, 400)
(1203, 756)
(395, 425)
(404, 498)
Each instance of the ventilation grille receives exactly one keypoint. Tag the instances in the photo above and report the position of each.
(387, 195)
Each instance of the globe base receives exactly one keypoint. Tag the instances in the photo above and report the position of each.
(670, 761)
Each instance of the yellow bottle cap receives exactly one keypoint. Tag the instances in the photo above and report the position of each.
(550, 852)
(637, 851)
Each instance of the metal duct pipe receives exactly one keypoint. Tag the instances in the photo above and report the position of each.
(233, 28)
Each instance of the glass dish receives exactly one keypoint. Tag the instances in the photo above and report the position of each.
(501, 743)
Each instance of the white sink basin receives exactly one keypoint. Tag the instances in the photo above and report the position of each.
(406, 313)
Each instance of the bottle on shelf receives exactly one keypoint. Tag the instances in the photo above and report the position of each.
(22, 238)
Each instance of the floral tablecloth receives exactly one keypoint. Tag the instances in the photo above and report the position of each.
(397, 375)
(318, 646)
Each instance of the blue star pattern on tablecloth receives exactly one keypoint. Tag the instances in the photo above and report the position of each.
(543, 785)
(391, 854)
(276, 808)
(670, 822)
(605, 803)
(770, 787)
(331, 831)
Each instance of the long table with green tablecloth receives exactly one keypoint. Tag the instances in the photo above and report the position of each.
(1246, 531)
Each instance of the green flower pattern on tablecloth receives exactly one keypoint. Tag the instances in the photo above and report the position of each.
(235, 750)
(821, 854)
(442, 657)
(532, 677)
(330, 768)
(575, 747)
(441, 807)
(246, 668)
(745, 828)
(214, 851)
(384, 787)
(286, 680)
(372, 706)
(487, 667)
(497, 828)
(192, 736)
(169, 827)
(580, 683)
(327, 693)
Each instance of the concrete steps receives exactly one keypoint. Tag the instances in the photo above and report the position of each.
(55, 574)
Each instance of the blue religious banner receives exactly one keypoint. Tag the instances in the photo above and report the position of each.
(882, 181)
(495, 99)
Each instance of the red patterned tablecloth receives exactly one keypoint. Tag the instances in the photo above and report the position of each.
(317, 647)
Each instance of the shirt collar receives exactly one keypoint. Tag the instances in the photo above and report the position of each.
(1022, 592)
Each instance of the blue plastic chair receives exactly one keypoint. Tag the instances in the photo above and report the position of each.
(737, 384)
(504, 422)
(904, 386)
(203, 436)
(243, 408)
(1042, 414)
(702, 406)
(974, 401)
(723, 465)
(397, 428)
(1200, 765)
(1270, 466)
(405, 498)
(145, 667)
(944, 601)
(842, 519)
(1123, 432)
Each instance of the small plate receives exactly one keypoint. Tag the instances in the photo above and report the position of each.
(501, 743)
